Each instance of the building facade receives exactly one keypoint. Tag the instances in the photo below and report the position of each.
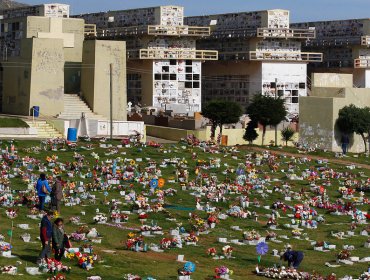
(259, 52)
(164, 66)
(345, 45)
(44, 57)
(319, 111)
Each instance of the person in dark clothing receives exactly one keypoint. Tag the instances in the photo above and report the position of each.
(57, 194)
(42, 189)
(345, 143)
(294, 258)
(58, 238)
(46, 231)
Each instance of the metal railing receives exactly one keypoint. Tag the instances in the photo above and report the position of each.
(178, 30)
(90, 30)
(287, 33)
(362, 63)
(155, 30)
(178, 54)
(285, 56)
(36, 115)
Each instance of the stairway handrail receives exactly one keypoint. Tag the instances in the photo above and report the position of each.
(46, 118)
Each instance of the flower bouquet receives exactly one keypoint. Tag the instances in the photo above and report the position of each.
(252, 235)
(271, 235)
(11, 213)
(212, 221)
(85, 261)
(212, 252)
(57, 277)
(157, 230)
(75, 220)
(222, 272)
(131, 277)
(296, 232)
(198, 224)
(192, 239)
(143, 217)
(186, 271)
(117, 217)
(136, 243)
(76, 236)
(9, 269)
(168, 243)
(287, 273)
(5, 247)
(145, 229)
(227, 251)
(100, 219)
(53, 266)
(344, 255)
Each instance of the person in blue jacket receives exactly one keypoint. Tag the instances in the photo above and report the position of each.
(294, 258)
(40, 190)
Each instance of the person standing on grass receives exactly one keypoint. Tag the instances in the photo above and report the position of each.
(46, 232)
(57, 194)
(58, 238)
(345, 143)
(42, 189)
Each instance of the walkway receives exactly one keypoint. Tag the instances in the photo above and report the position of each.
(333, 160)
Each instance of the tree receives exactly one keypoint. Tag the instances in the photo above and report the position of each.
(220, 113)
(352, 119)
(250, 132)
(287, 134)
(266, 111)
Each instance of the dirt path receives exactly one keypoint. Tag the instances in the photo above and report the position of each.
(333, 160)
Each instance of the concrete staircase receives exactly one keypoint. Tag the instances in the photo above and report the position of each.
(44, 130)
(74, 106)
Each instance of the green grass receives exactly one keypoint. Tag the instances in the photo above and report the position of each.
(163, 266)
(12, 122)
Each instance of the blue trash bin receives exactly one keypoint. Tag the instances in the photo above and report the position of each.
(36, 111)
(72, 134)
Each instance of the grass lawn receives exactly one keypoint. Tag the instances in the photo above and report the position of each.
(163, 266)
(12, 122)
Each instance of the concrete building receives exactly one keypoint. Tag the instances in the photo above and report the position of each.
(47, 62)
(164, 66)
(319, 112)
(345, 45)
(258, 53)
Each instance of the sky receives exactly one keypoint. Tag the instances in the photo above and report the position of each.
(301, 10)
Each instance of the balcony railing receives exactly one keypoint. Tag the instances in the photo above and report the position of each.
(178, 30)
(362, 63)
(176, 54)
(365, 41)
(90, 30)
(285, 56)
(155, 30)
(286, 33)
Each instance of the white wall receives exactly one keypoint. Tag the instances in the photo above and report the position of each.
(102, 128)
(289, 74)
(361, 78)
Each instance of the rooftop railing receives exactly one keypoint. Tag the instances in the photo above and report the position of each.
(177, 54)
(155, 30)
(285, 56)
(287, 33)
